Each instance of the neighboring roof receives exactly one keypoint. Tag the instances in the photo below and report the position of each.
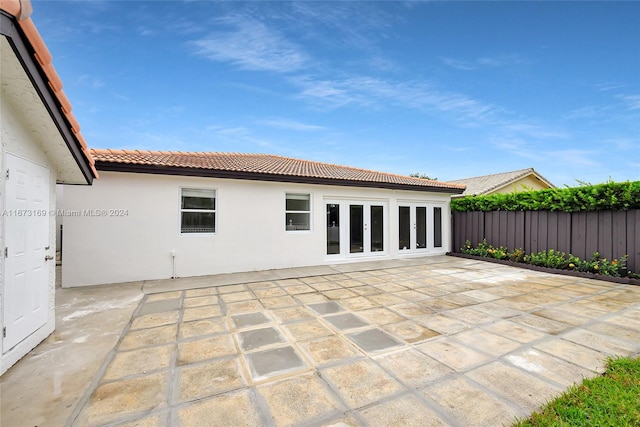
(482, 185)
(265, 167)
(35, 60)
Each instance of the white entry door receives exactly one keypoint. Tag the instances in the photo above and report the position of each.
(26, 229)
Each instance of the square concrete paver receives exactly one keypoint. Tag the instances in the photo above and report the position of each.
(300, 400)
(346, 321)
(208, 348)
(233, 409)
(514, 385)
(574, 353)
(380, 316)
(469, 405)
(373, 340)
(326, 307)
(361, 383)
(200, 301)
(149, 337)
(406, 411)
(453, 354)
(120, 399)
(545, 365)
(159, 306)
(208, 379)
(488, 342)
(254, 339)
(409, 331)
(140, 361)
(413, 368)
(329, 349)
(307, 329)
(277, 361)
(197, 328)
(249, 319)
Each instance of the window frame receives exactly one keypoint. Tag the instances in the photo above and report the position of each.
(214, 211)
(308, 212)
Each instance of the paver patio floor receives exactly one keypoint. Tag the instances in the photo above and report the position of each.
(449, 342)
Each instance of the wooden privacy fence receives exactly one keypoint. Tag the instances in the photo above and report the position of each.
(611, 233)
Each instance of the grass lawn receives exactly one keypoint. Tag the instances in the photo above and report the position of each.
(612, 399)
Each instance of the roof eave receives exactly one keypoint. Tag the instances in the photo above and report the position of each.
(11, 28)
(257, 176)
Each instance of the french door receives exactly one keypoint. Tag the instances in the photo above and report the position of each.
(419, 227)
(356, 228)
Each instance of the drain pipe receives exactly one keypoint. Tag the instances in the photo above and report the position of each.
(173, 263)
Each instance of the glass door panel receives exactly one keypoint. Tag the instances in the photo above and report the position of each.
(421, 227)
(377, 228)
(356, 229)
(437, 227)
(333, 229)
(404, 227)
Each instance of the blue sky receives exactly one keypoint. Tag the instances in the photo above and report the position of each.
(450, 89)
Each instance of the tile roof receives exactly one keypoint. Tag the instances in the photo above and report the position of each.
(261, 165)
(21, 10)
(481, 185)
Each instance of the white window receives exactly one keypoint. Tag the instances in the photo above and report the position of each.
(198, 210)
(298, 212)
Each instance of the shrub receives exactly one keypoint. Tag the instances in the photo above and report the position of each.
(553, 259)
(608, 196)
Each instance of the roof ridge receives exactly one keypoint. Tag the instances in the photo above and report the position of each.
(496, 174)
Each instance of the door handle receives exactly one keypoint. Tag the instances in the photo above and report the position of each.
(48, 257)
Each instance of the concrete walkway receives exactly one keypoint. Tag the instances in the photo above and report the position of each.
(428, 341)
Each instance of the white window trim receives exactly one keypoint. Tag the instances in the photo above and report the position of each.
(309, 212)
(180, 211)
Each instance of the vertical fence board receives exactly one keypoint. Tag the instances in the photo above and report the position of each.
(543, 230)
(479, 223)
(564, 232)
(552, 230)
(613, 234)
(520, 230)
(633, 243)
(511, 230)
(591, 233)
(605, 235)
(578, 231)
(504, 228)
(535, 217)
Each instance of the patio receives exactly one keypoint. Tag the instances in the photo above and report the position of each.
(422, 341)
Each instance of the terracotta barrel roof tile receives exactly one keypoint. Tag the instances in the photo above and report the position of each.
(261, 164)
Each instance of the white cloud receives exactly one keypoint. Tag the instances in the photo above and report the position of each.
(632, 101)
(251, 45)
(365, 91)
(460, 65)
(289, 125)
(486, 61)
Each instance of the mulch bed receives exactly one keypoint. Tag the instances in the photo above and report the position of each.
(622, 280)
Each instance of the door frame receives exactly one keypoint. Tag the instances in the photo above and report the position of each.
(430, 206)
(345, 227)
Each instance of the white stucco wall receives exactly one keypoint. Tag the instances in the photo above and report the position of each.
(250, 231)
(16, 139)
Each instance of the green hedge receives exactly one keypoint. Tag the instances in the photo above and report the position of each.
(608, 196)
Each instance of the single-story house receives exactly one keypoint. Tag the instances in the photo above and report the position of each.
(41, 145)
(505, 182)
(156, 215)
